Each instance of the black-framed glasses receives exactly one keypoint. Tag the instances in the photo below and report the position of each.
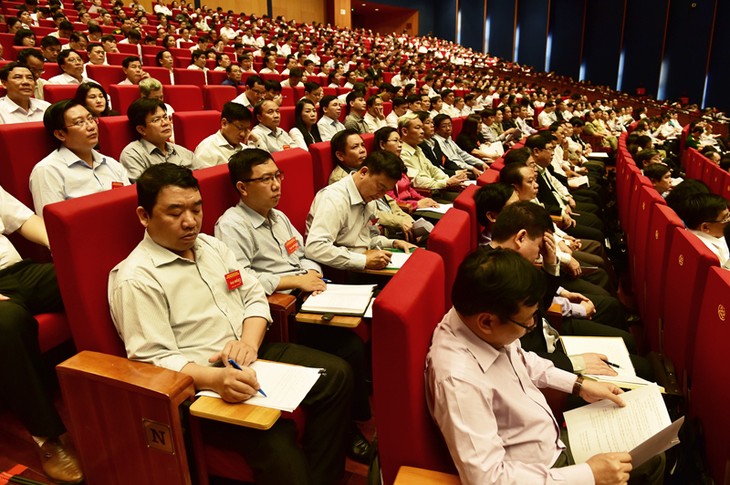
(725, 220)
(534, 318)
(268, 179)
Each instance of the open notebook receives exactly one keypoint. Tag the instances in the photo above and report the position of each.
(340, 300)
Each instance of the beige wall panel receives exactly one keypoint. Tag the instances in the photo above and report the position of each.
(300, 10)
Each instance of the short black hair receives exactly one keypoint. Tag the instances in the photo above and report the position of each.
(63, 55)
(386, 163)
(8, 68)
(241, 164)
(235, 112)
(510, 174)
(128, 60)
(140, 108)
(699, 208)
(491, 198)
(310, 87)
(158, 176)
(498, 281)
(538, 141)
(338, 142)
(49, 41)
(440, 118)
(54, 117)
(656, 171)
(252, 80)
(521, 215)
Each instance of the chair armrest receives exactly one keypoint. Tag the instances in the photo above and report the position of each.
(423, 192)
(281, 305)
(555, 316)
(418, 476)
(405, 207)
(128, 375)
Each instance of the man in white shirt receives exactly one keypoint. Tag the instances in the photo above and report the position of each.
(73, 69)
(19, 105)
(374, 118)
(255, 92)
(133, 71)
(400, 107)
(706, 216)
(329, 117)
(271, 137)
(443, 127)
(232, 137)
(75, 168)
(547, 117)
(448, 108)
(228, 32)
(482, 386)
(341, 224)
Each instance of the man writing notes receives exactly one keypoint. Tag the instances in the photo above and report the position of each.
(181, 301)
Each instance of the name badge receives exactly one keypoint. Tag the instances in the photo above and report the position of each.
(116, 185)
(286, 147)
(373, 220)
(234, 280)
(291, 245)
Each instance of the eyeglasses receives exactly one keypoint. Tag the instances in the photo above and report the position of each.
(159, 119)
(532, 319)
(721, 221)
(268, 179)
(81, 123)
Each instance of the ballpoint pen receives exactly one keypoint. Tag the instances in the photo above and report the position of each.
(235, 365)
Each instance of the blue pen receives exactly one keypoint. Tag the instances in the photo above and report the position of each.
(235, 365)
(326, 280)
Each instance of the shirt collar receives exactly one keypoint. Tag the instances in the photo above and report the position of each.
(161, 256)
(355, 197)
(69, 158)
(14, 107)
(257, 220)
(221, 141)
(483, 352)
(407, 150)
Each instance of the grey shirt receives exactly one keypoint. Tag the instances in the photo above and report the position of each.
(262, 246)
(140, 154)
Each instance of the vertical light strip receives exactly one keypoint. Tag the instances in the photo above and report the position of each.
(487, 28)
(582, 73)
(620, 75)
(709, 53)
(486, 33)
(620, 79)
(515, 26)
(548, 39)
(665, 63)
(516, 53)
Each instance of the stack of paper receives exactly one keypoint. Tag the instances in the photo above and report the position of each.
(614, 348)
(642, 428)
(340, 300)
(285, 385)
(397, 260)
(441, 209)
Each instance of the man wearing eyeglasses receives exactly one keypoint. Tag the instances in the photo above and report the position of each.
(255, 91)
(707, 216)
(149, 118)
(74, 169)
(234, 135)
(270, 248)
(483, 386)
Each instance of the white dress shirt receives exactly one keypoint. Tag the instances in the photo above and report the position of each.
(328, 127)
(12, 113)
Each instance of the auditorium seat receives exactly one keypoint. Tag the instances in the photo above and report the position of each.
(54, 93)
(122, 96)
(105, 75)
(693, 169)
(159, 73)
(184, 98)
(647, 198)
(488, 177)
(115, 133)
(322, 163)
(116, 58)
(287, 118)
(662, 222)
(456, 124)
(451, 239)
(188, 76)
(709, 393)
(128, 49)
(214, 97)
(687, 266)
(404, 316)
(216, 78)
(192, 127)
(465, 202)
(297, 190)
(288, 96)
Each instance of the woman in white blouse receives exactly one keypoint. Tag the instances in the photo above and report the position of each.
(305, 131)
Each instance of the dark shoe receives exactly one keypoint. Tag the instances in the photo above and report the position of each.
(60, 462)
(359, 449)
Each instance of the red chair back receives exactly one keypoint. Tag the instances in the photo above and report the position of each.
(322, 164)
(115, 133)
(216, 77)
(709, 397)
(451, 239)
(214, 97)
(54, 93)
(405, 314)
(687, 266)
(159, 73)
(122, 96)
(192, 127)
(488, 177)
(105, 75)
(188, 76)
(465, 202)
(298, 188)
(184, 98)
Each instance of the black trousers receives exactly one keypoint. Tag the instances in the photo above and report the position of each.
(273, 454)
(31, 289)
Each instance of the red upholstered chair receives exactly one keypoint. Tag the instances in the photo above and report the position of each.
(298, 188)
(192, 127)
(184, 98)
(287, 118)
(215, 78)
(498, 164)
(694, 164)
(115, 133)
(116, 58)
(404, 316)
(451, 239)
(638, 259)
(456, 124)
(54, 93)
(715, 177)
(188, 76)
(650, 297)
(488, 177)
(159, 73)
(288, 96)
(151, 49)
(214, 97)
(709, 397)
(272, 77)
(122, 96)
(465, 202)
(369, 140)
(687, 266)
(322, 164)
(105, 75)
(128, 49)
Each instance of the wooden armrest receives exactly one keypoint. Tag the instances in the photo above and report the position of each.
(419, 476)
(405, 207)
(281, 305)
(555, 316)
(557, 220)
(128, 375)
